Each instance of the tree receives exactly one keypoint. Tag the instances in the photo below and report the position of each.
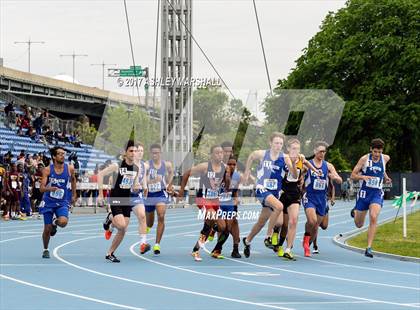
(87, 132)
(210, 109)
(120, 124)
(368, 53)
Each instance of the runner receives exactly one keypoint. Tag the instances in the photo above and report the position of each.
(229, 201)
(120, 198)
(211, 175)
(159, 178)
(324, 223)
(228, 152)
(137, 200)
(58, 184)
(269, 182)
(315, 197)
(290, 198)
(370, 171)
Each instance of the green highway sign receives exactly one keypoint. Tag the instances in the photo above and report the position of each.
(136, 71)
(131, 72)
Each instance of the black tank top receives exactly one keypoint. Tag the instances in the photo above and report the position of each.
(210, 182)
(125, 180)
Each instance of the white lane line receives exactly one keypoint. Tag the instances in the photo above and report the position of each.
(263, 283)
(69, 227)
(55, 253)
(319, 302)
(359, 267)
(18, 238)
(30, 265)
(321, 275)
(14, 228)
(69, 294)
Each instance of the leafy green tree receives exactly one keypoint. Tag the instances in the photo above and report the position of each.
(367, 53)
(120, 124)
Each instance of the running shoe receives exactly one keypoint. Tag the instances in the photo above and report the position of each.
(46, 254)
(108, 221)
(196, 256)
(289, 255)
(280, 252)
(352, 212)
(267, 243)
(217, 254)
(306, 247)
(148, 229)
(247, 248)
(315, 250)
(368, 252)
(112, 258)
(108, 234)
(275, 239)
(156, 249)
(235, 254)
(144, 247)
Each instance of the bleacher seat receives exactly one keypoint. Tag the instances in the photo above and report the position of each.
(87, 155)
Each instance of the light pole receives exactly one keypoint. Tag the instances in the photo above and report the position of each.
(29, 42)
(103, 64)
(74, 60)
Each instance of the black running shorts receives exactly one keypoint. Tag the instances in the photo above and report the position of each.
(289, 198)
(124, 210)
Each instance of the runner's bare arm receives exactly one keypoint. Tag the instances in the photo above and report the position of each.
(355, 174)
(333, 174)
(195, 170)
(308, 164)
(387, 179)
(291, 165)
(256, 155)
(107, 171)
(44, 179)
(169, 175)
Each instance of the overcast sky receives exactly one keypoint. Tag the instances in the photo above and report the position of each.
(226, 30)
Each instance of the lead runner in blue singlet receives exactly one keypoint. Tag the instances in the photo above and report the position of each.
(370, 171)
(269, 182)
(58, 184)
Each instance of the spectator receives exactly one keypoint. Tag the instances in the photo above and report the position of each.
(38, 123)
(9, 112)
(345, 190)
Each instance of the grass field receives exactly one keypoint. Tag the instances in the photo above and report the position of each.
(389, 237)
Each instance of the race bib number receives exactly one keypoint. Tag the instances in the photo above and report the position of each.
(37, 185)
(212, 194)
(270, 184)
(127, 182)
(362, 194)
(154, 187)
(320, 184)
(374, 183)
(14, 184)
(290, 177)
(225, 196)
(58, 194)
